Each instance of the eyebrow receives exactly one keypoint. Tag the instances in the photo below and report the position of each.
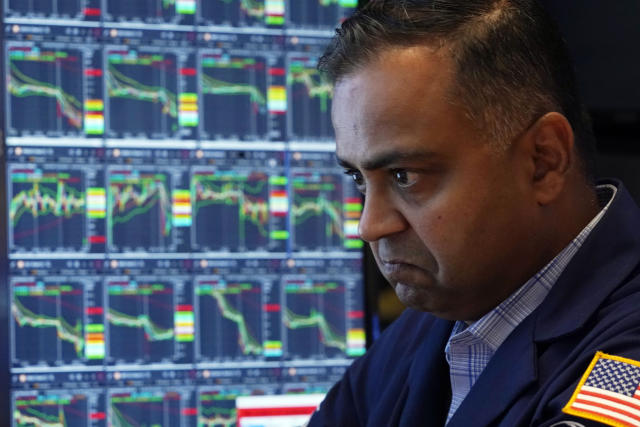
(386, 159)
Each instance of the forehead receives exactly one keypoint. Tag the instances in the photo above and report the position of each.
(400, 99)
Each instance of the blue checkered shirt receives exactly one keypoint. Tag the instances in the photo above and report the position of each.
(470, 347)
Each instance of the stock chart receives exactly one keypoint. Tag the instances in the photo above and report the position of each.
(325, 207)
(59, 408)
(152, 407)
(309, 99)
(177, 232)
(230, 321)
(234, 86)
(55, 208)
(152, 11)
(55, 9)
(318, 13)
(57, 320)
(59, 83)
(314, 317)
(216, 408)
(142, 91)
(241, 13)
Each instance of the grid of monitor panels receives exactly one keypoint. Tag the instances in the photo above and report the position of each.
(178, 233)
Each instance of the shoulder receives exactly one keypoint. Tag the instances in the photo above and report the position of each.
(374, 382)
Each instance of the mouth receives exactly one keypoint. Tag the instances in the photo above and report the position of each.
(400, 270)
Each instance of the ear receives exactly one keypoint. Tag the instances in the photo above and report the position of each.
(551, 142)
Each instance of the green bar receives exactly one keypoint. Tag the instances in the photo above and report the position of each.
(279, 235)
(353, 207)
(185, 338)
(354, 244)
(94, 327)
(186, 8)
(348, 3)
(189, 97)
(278, 180)
(274, 20)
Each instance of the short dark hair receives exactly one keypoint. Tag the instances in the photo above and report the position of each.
(511, 63)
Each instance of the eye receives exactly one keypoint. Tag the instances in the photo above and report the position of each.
(357, 177)
(404, 178)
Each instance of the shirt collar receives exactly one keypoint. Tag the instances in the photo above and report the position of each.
(494, 327)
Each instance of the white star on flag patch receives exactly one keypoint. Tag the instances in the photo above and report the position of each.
(609, 392)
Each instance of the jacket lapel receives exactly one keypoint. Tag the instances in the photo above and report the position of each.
(599, 267)
(429, 392)
(511, 370)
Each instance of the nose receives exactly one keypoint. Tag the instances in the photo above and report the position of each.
(380, 217)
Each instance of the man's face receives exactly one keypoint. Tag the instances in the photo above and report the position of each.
(450, 219)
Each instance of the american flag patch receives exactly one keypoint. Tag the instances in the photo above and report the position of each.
(609, 392)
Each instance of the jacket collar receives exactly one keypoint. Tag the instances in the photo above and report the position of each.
(600, 266)
(607, 257)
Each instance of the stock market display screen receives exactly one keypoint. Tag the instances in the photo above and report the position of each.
(176, 235)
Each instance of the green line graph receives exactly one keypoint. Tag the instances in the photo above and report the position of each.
(120, 85)
(212, 413)
(50, 194)
(248, 344)
(304, 72)
(65, 331)
(50, 410)
(214, 86)
(21, 85)
(249, 194)
(34, 418)
(142, 321)
(315, 319)
(134, 194)
(305, 208)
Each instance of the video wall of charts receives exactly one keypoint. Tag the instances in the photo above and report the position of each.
(177, 233)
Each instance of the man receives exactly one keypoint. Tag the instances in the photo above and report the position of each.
(460, 123)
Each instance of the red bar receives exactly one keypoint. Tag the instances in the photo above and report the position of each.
(353, 200)
(277, 113)
(356, 314)
(31, 284)
(93, 72)
(263, 412)
(23, 171)
(98, 416)
(187, 71)
(91, 11)
(190, 411)
(97, 239)
(184, 308)
(277, 193)
(95, 310)
(279, 214)
(277, 71)
(20, 48)
(271, 308)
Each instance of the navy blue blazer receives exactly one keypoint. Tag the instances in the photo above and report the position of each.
(403, 380)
